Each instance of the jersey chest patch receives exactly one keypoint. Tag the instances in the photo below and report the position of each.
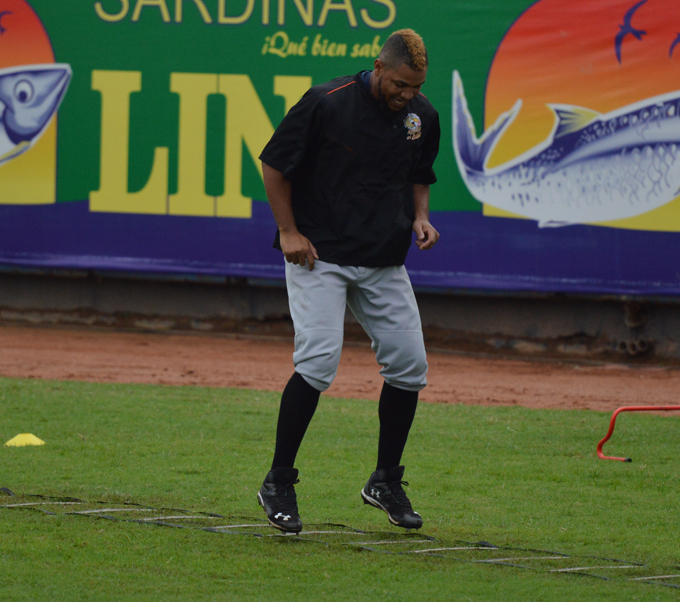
(414, 126)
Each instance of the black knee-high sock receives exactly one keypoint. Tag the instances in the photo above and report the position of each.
(396, 410)
(298, 404)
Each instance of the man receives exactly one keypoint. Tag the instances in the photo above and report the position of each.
(347, 175)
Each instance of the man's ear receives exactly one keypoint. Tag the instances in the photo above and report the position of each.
(378, 66)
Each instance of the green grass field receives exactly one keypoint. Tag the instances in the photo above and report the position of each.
(514, 477)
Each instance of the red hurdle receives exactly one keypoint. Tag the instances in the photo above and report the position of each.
(613, 422)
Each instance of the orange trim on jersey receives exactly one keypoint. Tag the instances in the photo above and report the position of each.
(341, 87)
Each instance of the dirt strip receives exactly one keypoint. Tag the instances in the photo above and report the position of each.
(233, 361)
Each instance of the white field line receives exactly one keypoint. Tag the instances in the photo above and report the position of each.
(100, 510)
(39, 504)
(382, 543)
(592, 568)
(522, 558)
(325, 533)
(657, 577)
(178, 517)
(447, 549)
(258, 526)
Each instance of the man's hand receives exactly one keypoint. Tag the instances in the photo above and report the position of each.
(298, 249)
(426, 234)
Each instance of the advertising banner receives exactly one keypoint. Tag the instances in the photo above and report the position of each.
(130, 132)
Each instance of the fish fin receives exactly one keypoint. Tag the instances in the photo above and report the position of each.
(571, 119)
(20, 148)
(471, 151)
(549, 223)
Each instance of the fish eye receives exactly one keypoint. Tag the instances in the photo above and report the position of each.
(23, 90)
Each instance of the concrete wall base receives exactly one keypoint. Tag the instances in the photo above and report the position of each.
(557, 326)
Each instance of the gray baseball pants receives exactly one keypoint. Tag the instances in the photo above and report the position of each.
(382, 301)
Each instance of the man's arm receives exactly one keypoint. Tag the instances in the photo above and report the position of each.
(296, 248)
(426, 234)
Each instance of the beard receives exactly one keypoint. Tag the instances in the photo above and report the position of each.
(382, 98)
(385, 101)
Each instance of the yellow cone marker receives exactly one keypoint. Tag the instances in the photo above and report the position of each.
(24, 439)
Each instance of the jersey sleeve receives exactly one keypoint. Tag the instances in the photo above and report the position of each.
(424, 172)
(295, 137)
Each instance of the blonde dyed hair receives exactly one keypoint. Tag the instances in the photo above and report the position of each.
(404, 47)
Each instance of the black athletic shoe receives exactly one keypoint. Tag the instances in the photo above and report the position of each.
(277, 497)
(384, 490)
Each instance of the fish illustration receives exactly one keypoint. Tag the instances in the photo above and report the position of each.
(592, 167)
(29, 96)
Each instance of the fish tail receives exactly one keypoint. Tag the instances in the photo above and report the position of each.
(472, 152)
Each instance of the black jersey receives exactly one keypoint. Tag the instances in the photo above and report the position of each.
(352, 163)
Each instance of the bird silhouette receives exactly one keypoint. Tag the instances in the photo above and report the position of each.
(627, 28)
(673, 45)
(2, 14)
